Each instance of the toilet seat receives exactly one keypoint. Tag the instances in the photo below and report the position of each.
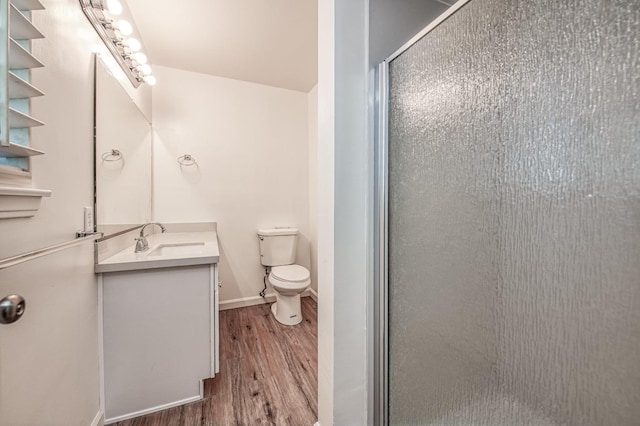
(290, 273)
(289, 279)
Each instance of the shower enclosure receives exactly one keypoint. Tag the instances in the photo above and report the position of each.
(510, 156)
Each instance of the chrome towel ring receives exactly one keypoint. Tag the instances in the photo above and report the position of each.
(114, 155)
(187, 160)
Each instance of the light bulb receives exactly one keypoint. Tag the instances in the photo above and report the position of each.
(124, 27)
(145, 69)
(114, 7)
(140, 58)
(150, 80)
(134, 44)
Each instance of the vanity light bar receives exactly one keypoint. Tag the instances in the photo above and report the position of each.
(126, 51)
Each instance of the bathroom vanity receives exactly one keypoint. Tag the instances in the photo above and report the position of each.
(159, 323)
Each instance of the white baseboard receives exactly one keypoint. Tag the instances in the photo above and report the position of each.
(98, 420)
(152, 410)
(257, 300)
(246, 301)
(314, 295)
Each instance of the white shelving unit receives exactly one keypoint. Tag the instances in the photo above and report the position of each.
(16, 61)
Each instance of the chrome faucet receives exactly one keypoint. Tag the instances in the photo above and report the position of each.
(141, 243)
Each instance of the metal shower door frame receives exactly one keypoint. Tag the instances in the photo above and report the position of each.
(381, 228)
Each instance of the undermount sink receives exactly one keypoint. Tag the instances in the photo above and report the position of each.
(178, 249)
(166, 250)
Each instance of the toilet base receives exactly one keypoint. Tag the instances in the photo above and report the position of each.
(287, 309)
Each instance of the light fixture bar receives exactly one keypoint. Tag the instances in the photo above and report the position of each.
(94, 10)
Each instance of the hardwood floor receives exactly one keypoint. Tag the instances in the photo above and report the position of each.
(268, 374)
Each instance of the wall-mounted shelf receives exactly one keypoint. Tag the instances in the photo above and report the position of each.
(20, 202)
(15, 150)
(28, 4)
(21, 28)
(20, 58)
(19, 120)
(18, 88)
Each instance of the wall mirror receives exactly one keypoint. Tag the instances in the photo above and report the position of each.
(122, 155)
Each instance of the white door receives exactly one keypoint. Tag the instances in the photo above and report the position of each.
(49, 358)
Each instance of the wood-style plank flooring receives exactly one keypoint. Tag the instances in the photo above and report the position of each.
(268, 374)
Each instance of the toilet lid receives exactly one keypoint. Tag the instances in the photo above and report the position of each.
(292, 273)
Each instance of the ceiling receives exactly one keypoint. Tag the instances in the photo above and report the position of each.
(394, 22)
(272, 42)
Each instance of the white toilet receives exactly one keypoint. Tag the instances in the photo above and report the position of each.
(278, 251)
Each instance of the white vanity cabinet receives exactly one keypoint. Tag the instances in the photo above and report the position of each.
(159, 337)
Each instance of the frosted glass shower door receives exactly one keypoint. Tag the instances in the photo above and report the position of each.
(514, 217)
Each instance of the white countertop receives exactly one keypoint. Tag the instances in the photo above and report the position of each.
(166, 250)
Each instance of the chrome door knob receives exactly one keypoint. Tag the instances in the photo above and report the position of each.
(11, 308)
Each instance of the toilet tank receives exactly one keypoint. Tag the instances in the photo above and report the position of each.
(278, 246)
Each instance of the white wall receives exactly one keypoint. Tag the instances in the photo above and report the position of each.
(251, 145)
(343, 205)
(326, 119)
(312, 120)
(49, 359)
